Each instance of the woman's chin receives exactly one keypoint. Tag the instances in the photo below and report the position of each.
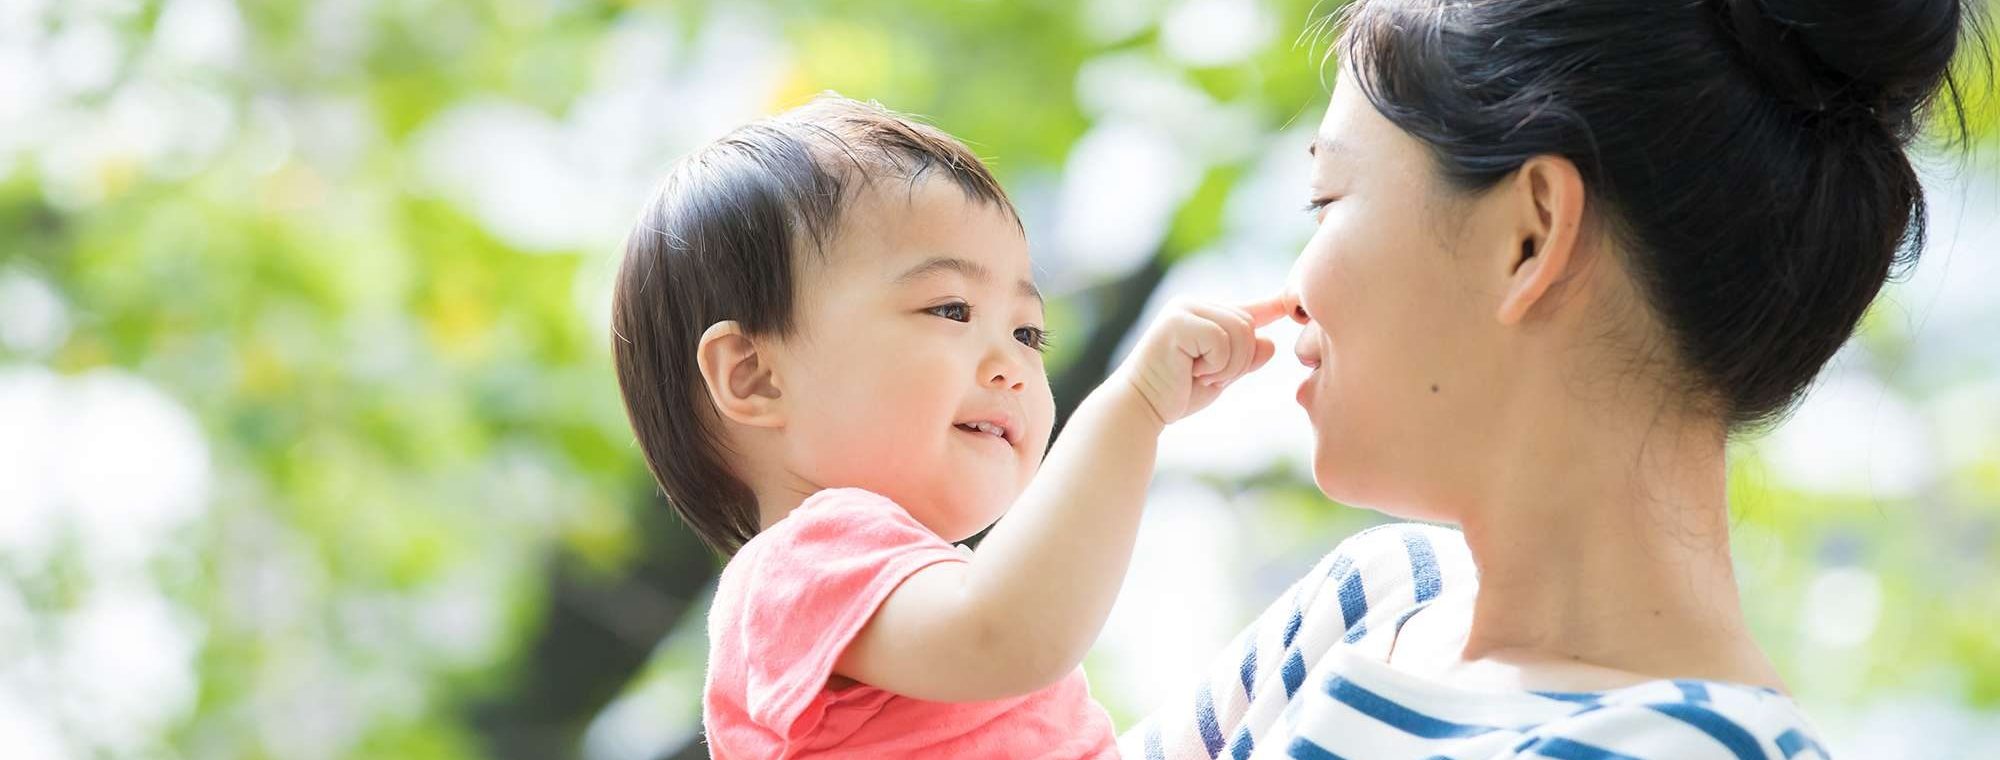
(1353, 483)
(1337, 482)
(1335, 489)
(1347, 486)
(1339, 471)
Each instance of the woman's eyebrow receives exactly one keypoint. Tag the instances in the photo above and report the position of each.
(1323, 143)
(967, 268)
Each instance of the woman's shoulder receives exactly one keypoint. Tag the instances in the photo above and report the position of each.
(1688, 718)
(1411, 546)
(1359, 707)
(1372, 582)
(1377, 578)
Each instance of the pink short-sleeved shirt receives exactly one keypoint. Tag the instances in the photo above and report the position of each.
(790, 602)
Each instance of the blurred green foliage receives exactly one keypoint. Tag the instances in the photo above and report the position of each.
(416, 459)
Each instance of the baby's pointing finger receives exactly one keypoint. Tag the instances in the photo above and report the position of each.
(1267, 310)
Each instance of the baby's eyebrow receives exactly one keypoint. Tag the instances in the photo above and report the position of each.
(968, 268)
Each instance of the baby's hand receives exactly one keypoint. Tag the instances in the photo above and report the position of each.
(1196, 349)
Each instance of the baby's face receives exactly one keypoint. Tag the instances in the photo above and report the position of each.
(913, 370)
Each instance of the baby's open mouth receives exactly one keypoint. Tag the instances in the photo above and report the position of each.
(985, 428)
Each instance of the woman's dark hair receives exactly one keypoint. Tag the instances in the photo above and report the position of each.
(1749, 154)
(721, 241)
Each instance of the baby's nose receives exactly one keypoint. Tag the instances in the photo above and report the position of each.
(1007, 380)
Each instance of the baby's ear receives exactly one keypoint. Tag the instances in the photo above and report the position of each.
(738, 377)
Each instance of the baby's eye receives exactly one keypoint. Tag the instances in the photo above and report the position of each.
(956, 311)
(1033, 337)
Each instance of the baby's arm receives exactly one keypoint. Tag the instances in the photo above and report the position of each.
(1021, 614)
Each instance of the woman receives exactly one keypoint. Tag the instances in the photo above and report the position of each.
(1564, 251)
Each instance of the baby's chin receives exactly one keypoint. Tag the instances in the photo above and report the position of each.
(968, 519)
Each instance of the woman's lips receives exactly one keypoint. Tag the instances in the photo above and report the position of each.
(1304, 395)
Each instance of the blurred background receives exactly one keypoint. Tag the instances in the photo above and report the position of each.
(310, 447)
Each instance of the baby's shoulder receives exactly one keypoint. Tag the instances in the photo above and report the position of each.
(839, 548)
(831, 515)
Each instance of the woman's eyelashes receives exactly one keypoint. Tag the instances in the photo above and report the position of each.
(959, 311)
(1317, 206)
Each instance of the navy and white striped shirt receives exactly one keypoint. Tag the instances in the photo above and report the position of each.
(1310, 680)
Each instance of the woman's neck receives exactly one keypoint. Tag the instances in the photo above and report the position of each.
(1605, 545)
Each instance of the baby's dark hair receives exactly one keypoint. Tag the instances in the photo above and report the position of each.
(1752, 154)
(721, 241)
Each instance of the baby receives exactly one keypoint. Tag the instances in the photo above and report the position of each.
(830, 346)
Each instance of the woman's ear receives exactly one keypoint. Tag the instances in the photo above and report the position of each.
(1548, 199)
(739, 377)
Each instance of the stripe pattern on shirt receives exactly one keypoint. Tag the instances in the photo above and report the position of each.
(1307, 680)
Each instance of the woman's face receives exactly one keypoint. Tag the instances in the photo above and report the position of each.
(1400, 320)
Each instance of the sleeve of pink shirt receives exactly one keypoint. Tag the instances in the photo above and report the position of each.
(817, 579)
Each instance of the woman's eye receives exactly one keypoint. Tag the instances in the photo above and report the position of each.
(1033, 337)
(957, 311)
(1314, 207)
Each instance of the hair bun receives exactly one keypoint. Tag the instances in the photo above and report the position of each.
(1885, 56)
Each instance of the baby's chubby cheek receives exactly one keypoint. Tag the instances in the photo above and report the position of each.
(1041, 413)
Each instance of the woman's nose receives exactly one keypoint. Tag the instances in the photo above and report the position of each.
(1293, 305)
(1293, 308)
(1306, 347)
